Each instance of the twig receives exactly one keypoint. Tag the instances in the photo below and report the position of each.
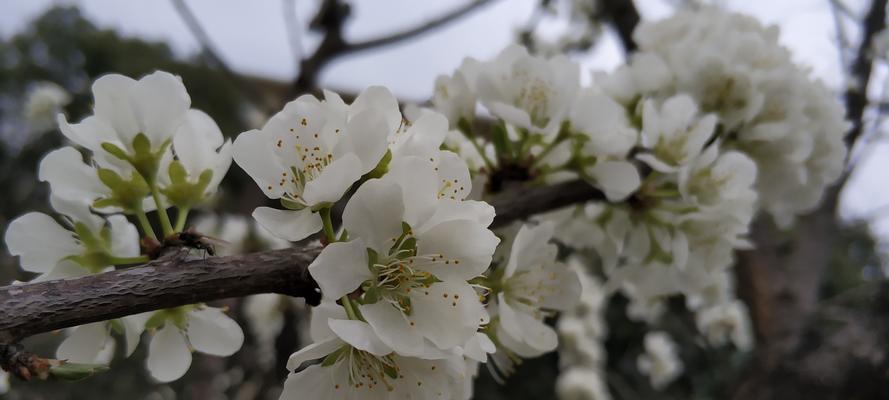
(860, 70)
(209, 51)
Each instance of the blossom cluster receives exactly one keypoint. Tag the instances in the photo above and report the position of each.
(412, 302)
(146, 149)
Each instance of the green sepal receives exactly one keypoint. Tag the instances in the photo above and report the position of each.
(144, 160)
(127, 194)
(292, 205)
(156, 320)
(116, 151)
(183, 193)
(117, 326)
(371, 294)
(502, 145)
(76, 371)
(332, 358)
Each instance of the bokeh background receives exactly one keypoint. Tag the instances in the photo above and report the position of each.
(240, 61)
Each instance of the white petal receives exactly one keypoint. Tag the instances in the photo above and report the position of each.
(341, 268)
(314, 382)
(113, 95)
(359, 335)
(374, 213)
(168, 354)
(419, 186)
(40, 242)
(527, 329)
(479, 347)
(448, 314)
(124, 237)
(85, 343)
(90, 133)
(463, 249)
(160, 102)
(78, 210)
(288, 224)
(619, 179)
(196, 142)
(393, 328)
(529, 246)
(65, 269)
(380, 100)
(133, 326)
(453, 174)
(210, 331)
(365, 137)
(313, 351)
(334, 180)
(254, 154)
(69, 177)
(318, 328)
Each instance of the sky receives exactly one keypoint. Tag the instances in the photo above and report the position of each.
(252, 37)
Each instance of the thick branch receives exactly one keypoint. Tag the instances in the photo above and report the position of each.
(33, 308)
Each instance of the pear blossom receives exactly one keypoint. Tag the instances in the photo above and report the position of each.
(726, 322)
(674, 133)
(202, 157)
(454, 96)
(153, 107)
(532, 286)
(660, 361)
(357, 364)
(311, 152)
(582, 384)
(84, 244)
(44, 100)
(414, 244)
(94, 344)
(180, 330)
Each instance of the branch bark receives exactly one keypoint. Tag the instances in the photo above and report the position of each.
(860, 70)
(33, 308)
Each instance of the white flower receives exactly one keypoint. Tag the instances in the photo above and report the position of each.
(84, 245)
(202, 159)
(454, 95)
(93, 343)
(724, 322)
(311, 152)
(4, 382)
(154, 106)
(645, 74)
(618, 179)
(582, 384)
(412, 248)
(529, 92)
(660, 361)
(357, 365)
(533, 285)
(674, 132)
(45, 100)
(199, 328)
(265, 317)
(604, 124)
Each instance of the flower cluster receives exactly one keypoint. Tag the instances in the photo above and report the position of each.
(146, 150)
(412, 303)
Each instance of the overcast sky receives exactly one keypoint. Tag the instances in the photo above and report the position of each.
(252, 37)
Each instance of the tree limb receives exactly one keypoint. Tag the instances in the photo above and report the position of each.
(860, 70)
(32, 308)
(623, 16)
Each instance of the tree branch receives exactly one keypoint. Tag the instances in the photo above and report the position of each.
(210, 53)
(860, 70)
(622, 14)
(33, 308)
(331, 18)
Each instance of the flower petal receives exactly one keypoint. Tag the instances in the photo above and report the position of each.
(341, 268)
(40, 242)
(334, 180)
(196, 142)
(84, 343)
(374, 213)
(619, 179)
(113, 94)
(313, 351)
(168, 354)
(254, 155)
(124, 237)
(133, 326)
(394, 328)
(365, 137)
(210, 331)
(447, 313)
(288, 224)
(69, 177)
(359, 335)
(160, 102)
(463, 249)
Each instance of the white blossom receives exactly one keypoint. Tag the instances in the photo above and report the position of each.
(44, 100)
(180, 330)
(311, 152)
(727, 321)
(660, 361)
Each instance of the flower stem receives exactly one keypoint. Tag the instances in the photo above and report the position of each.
(181, 217)
(147, 230)
(166, 226)
(129, 260)
(350, 309)
(328, 225)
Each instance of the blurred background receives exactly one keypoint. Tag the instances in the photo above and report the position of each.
(241, 61)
